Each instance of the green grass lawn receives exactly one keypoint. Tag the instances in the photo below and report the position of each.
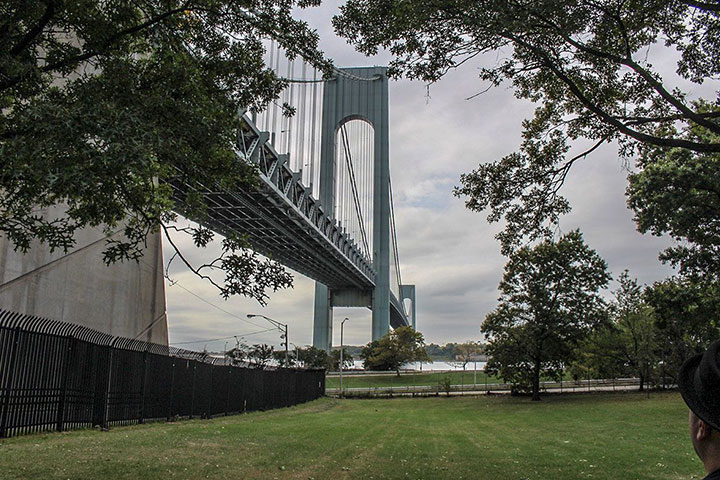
(405, 379)
(600, 436)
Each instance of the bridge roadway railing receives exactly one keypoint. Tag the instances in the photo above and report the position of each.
(282, 219)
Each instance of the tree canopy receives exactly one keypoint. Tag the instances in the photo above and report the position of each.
(652, 330)
(396, 348)
(677, 192)
(549, 301)
(312, 357)
(104, 104)
(333, 362)
(587, 66)
(687, 318)
(627, 345)
(466, 352)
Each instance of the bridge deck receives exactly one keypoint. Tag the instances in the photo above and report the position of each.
(283, 221)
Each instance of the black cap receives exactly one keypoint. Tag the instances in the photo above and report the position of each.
(699, 383)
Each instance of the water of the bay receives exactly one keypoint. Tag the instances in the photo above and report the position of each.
(434, 366)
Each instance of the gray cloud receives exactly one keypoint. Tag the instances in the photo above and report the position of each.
(447, 251)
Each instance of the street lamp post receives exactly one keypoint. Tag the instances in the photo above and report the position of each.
(342, 325)
(280, 326)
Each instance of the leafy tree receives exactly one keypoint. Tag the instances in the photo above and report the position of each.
(312, 357)
(687, 317)
(597, 355)
(239, 355)
(628, 344)
(368, 352)
(444, 352)
(410, 344)
(635, 323)
(279, 357)
(396, 348)
(445, 384)
(105, 105)
(584, 63)
(677, 192)
(333, 361)
(549, 301)
(465, 352)
(259, 355)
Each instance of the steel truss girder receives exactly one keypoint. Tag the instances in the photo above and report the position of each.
(282, 220)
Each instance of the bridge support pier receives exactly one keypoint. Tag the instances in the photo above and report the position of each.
(323, 321)
(124, 299)
(358, 93)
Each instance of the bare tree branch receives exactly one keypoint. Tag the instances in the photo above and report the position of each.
(637, 68)
(706, 6)
(36, 30)
(607, 118)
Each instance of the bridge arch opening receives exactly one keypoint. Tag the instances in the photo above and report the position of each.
(354, 172)
(407, 303)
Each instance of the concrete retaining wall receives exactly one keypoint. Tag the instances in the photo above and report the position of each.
(124, 299)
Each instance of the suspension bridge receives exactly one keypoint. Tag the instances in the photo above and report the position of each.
(323, 206)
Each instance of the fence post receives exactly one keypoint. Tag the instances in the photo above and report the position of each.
(229, 383)
(8, 382)
(142, 388)
(105, 395)
(210, 393)
(63, 389)
(172, 390)
(192, 399)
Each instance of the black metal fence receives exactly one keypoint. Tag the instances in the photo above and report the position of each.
(58, 376)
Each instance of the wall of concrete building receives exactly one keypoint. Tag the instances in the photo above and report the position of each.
(123, 299)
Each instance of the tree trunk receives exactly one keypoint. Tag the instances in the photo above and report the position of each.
(642, 382)
(536, 382)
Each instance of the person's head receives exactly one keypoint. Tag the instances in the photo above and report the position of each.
(699, 383)
(705, 439)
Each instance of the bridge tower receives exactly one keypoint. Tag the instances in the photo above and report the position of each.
(357, 94)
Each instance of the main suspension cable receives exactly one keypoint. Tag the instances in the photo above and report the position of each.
(394, 234)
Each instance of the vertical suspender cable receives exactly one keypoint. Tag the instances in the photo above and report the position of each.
(313, 124)
(353, 215)
(338, 168)
(297, 121)
(302, 120)
(293, 122)
(366, 189)
(351, 177)
(266, 114)
(284, 129)
(394, 234)
(273, 115)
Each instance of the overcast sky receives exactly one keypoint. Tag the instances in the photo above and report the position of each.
(449, 253)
